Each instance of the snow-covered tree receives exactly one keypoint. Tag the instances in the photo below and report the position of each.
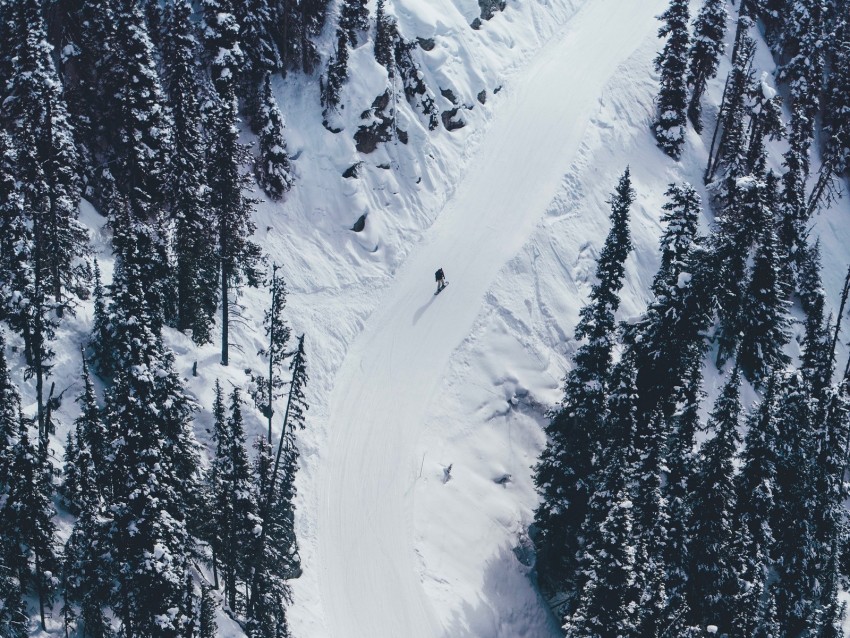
(333, 80)
(704, 56)
(188, 196)
(563, 473)
(354, 19)
(713, 579)
(672, 65)
(274, 173)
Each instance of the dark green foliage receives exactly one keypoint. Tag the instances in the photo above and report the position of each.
(274, 174)
(234, 509)
(385, 35)
(354, 19)
(237, 255)
(563, 473)
(188, 195)
(704, 56)
(672, 65)
(713, 578)
(765, 322)
(333, 80)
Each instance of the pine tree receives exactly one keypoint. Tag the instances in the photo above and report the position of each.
(712, 581)
(87, 572)
(836, 122)
(86, 453)
(562, 475)
(274, 174)
(235, 510)
(385, 36)
(154, 463)
(221, 41)
(354, 19)
(705, 52)
(207, 626)
(672, 65)
(28, 515)
(145, 133)
(237, 256)
(275, 557)
(764, 318)
(255, 18)
(194, 232)
(333, 80)
(670, 334)
(12, 224)
(269, 389)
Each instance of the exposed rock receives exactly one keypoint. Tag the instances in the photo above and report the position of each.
(482, 97)
(449, 95)
(360, 224)
(427, 44)
(451, 119)
(353, 171)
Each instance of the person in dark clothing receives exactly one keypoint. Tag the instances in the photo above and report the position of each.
(441, 280)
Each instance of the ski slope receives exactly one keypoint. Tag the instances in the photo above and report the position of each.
(369, 577)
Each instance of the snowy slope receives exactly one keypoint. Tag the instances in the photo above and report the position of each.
(403, 383)
(369, 575)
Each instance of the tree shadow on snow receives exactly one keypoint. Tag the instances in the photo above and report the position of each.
(509, 605)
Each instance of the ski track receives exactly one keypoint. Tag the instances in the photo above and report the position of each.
(369, 574)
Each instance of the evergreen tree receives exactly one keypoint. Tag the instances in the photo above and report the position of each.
(354, 19)
(275, 557)
(608, 585)
(207, 626)
(28, 515)
(385, 36)
(678, 488)
(274, 174)
(12, 225)
(255, 18)
(221, 41)
(563, 473)
(237, 256)
(195, 228)
(86, 468)
(672, 64)
(415, 90)
(87, 571)
(765, 322)
(269, 389)
(235, 510)
(765, 123)
(713, 582)
(332, 81)
(670, 334)
(705, 52)
(145, 133)
(153, 465)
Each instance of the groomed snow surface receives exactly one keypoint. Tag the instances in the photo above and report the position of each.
(404, 384)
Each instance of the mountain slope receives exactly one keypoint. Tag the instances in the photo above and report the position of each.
(370, 584)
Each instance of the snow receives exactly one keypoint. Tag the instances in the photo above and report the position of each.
(419, 404)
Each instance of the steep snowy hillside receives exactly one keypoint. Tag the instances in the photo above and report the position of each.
(415, 482)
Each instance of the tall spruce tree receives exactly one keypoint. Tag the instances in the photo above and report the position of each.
(14, 617)
(154, 463)
(28, 515)
(672, 64)
(269, 388)
(333, 80)
(563, 473)
(704, 56)
(354, 18)
(765, 322)
(713, 579)
(234, 506)
(236, 254)
(755, 491)
(274, 173)
(188, 195)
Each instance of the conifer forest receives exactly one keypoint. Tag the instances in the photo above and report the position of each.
(627, 417)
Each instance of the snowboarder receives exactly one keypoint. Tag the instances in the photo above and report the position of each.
(441, 280)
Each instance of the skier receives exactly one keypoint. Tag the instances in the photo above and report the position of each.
(441, 280)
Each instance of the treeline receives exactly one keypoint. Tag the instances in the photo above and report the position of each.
(136, 107)
(641, 531)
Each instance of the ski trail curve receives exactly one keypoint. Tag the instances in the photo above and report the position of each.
(369, 580)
